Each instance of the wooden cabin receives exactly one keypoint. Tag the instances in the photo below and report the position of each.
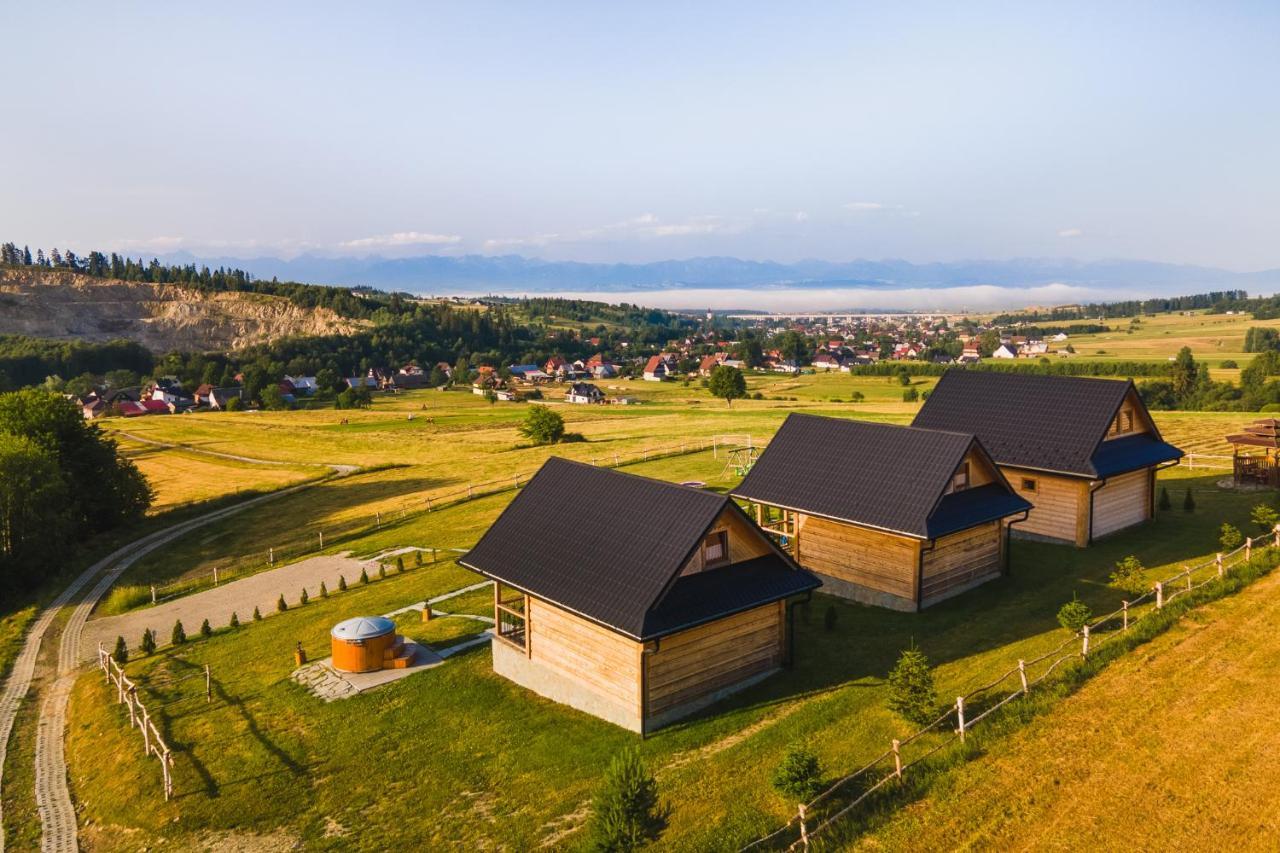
(1083, 451)
(889, 515)
(632, 599)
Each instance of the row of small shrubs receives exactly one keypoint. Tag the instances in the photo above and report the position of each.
(178, 635)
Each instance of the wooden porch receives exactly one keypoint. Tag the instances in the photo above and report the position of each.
(1255, 454)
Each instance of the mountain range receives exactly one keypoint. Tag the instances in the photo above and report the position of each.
(506, 273)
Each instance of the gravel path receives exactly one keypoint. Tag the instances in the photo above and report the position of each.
(217, 604)
(53, 797)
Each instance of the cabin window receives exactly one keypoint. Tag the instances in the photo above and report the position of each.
(1123, 422)
(1028, 484)
(960, 480)
(715, 550)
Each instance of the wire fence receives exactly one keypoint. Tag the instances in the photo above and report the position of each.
(820, 814)
(312, 539)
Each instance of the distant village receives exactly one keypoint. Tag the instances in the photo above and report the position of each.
(766, 344)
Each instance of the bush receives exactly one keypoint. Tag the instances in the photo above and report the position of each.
(281, 605)
(235, 620)
(1265, 517)
(324, 590)
(1229, 364)
(400, 565)
(257, 615)
(206, 630)
(911, 691)
(1165, 503)
(910, 395)
(364, 576)
(757, 396)
(382, 571)
(342, 583)
(303, 598)
(179, 634)
(1128, 577)
(1229, 537)
(799, 776)
(829, 617)
(417, 558)
(1074, 615)
(625, 813)
(542, 426)
(857, 397)
(148, 645)
(121, 653)
(1188, 502)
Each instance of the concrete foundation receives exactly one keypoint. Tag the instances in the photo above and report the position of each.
(863, 595)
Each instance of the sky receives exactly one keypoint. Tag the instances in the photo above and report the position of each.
(636, 132)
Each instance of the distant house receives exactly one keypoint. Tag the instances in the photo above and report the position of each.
(303, 386)
(734, 362)
(895, 516)
(709, 364)
(583, 392)
(131, 408)
(556, 366)
(169, 392)
(1084, 451)
(826, 361)
(1005, 351)
(657, 368)
(528, 372)
(219, 397)
(362, 381)
(94, 407)
(156, 407)
(595, 611)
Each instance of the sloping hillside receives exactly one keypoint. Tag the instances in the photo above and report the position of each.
(1171, 748)
(54, 304)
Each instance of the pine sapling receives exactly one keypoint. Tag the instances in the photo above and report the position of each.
(235, 620)
(257, 615)
(303, 598)
(364, 576)
(911, 691)
(625, 812)
(148, 642)
(1188, 502)
(206, 630)
(342, 583)
(121, 652)
(281, 606)
(324, 590)
(1074, 615)
(179, 635)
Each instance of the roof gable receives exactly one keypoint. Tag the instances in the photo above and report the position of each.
(878, 475)
(603, 544)
(1049, 423)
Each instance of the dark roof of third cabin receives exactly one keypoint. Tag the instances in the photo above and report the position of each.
(1047, 423)
(608, 546)
(877, 475)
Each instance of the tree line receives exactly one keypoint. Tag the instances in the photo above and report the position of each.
(61, 480)
(1216, 300)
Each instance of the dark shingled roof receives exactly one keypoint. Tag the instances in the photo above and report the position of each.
(878, 475)
(1047, 423)
(608, 546)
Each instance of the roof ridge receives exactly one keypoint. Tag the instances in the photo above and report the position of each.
(888, 424)
(652, 480)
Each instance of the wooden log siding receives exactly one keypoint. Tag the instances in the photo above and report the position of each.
(879, 561)
(694, 663)
(596, 658)
(1061, 505)
(961, 559)
(1122, 501)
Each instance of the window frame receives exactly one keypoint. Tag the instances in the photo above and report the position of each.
(1031, 484)
(716, 537)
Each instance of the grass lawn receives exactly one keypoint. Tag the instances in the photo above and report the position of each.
(1213, 338)
(1188, 766)
(459, 755)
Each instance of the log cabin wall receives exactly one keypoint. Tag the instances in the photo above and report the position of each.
(1123, 501)
(599, 660)
(883, 565)
(1061, 505)
(702, 662)
(962, 561)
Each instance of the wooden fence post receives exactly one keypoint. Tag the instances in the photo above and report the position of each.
(428, 503)
(1221, 568)
(470, 491)
(271, 556)
(377, 520)
(897, 758)
(1125, 608)
(960, 714)
(1159, 595)
(153, 593)
(1084, 646)
(321, 532)
(1248, 549)
(1277, 542)
(165, 762)
(804, 830)
(1022, 674)
(146, 731)
(130, 698)
(215, 575)
(208, 684)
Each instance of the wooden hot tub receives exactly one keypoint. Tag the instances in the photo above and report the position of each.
(362, 644)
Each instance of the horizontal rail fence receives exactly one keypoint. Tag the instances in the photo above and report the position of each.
(314, 538)
(153, 743)
(980, 702)
(1207, 461)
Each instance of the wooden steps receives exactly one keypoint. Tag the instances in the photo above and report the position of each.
(397, 656)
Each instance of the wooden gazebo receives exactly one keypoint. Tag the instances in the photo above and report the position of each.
(1255, 456)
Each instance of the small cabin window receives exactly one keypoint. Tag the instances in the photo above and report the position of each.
(960, 480)
(1123, 422)
(1029, 484)
(715, 550)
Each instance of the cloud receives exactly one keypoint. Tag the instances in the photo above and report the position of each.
(402, 238)
(864, 205)
(159, 244)
(645, 226)
(1070, 232)
(495, 243)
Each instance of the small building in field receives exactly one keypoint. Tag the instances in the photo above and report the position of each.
(888, 515)
(583, 392)
(657, 368)
(636, 600)
(1084, 451)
